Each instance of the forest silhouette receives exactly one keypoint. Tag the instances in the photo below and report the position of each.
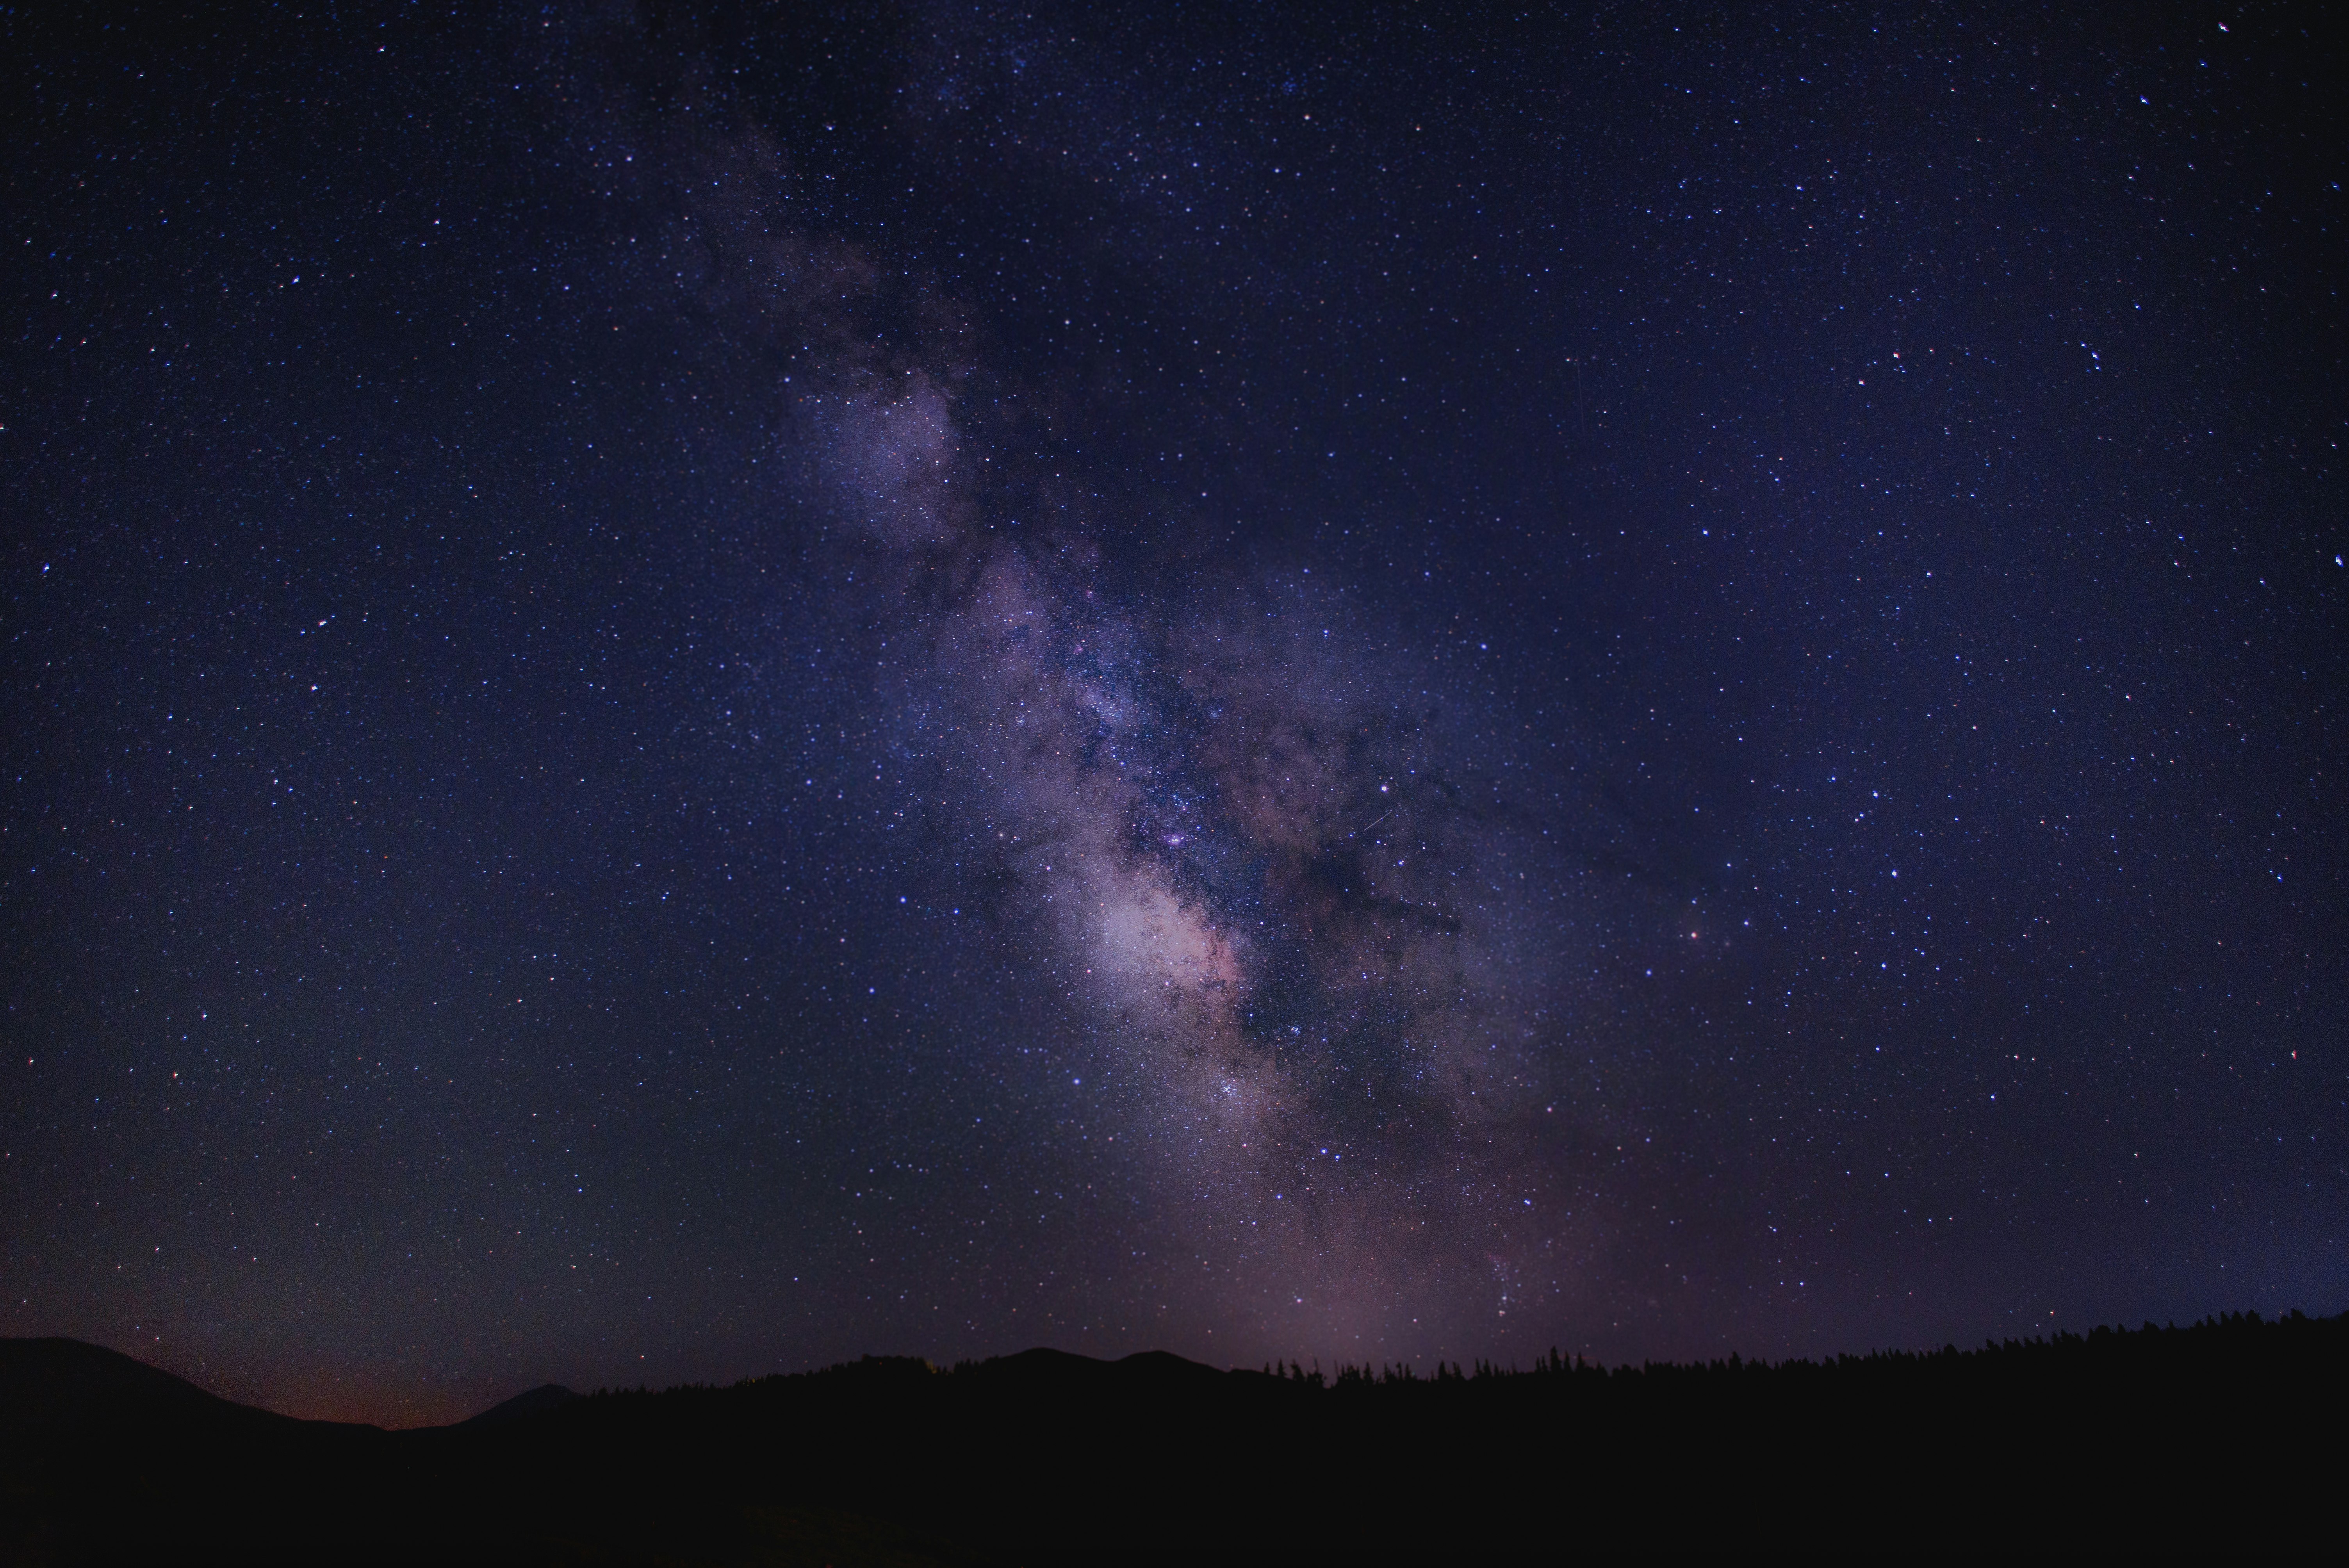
(2223, 1435)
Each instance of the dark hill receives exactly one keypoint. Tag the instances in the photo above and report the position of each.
(538, 1401)
(2223, 1436)
(1145, 1374)
(53, 1390)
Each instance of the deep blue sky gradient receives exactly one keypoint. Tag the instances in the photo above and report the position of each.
(523, 853)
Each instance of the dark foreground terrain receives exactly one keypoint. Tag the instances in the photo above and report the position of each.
(2226, 1435)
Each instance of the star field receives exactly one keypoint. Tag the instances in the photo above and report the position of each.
(689, 694)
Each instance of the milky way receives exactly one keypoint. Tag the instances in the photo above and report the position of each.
(1318, 933)
(1321, 931)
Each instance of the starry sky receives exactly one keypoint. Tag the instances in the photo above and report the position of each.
(692, 692)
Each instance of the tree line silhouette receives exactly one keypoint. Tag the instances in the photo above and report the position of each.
(2220, 1435)
(2225, 1337)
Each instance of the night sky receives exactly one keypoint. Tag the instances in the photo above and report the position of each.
(687, 694)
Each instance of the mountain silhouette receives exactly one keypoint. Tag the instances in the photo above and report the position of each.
(55, 1389)
(2220, 1436)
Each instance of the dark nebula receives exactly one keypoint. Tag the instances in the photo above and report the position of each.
(689, 693)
